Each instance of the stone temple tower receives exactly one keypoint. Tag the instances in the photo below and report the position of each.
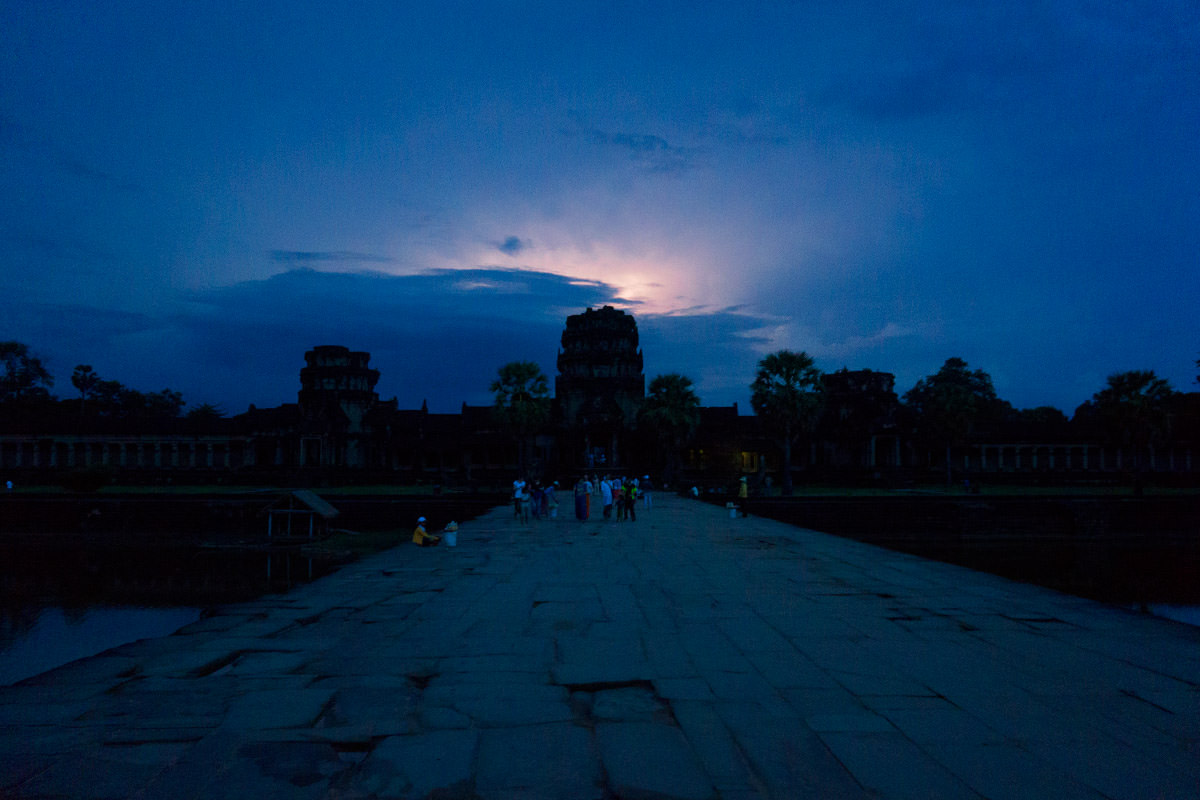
(337, 389)
(600, 384)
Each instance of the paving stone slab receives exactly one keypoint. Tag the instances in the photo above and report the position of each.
(417, 766)
(539, 761)
(502, 704)
(93, 776)
(650, 760)
(864, 722)
(386, 710)
(581, 661)
(713, 745)
(498, 662)
(790, 669)
(280, 708)
(1004, 771)
(742, 686)
(894, 767)
(1100, 762)
(634, 703)
(666, 656)
(785, 757)
(942, 723)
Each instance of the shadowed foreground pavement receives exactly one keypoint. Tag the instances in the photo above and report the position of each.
(686, 655)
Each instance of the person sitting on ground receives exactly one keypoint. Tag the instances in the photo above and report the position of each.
(423, 539)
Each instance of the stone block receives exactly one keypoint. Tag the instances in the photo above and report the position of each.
(582, 660)
(537, 761)
(651, 760)
(942, 723)
(276, 709)
(502, 704)
(635, 703)
(1004, 771)
(712, 744)
(892, 766)
(785, 756)
(388, 711)
(418, 765)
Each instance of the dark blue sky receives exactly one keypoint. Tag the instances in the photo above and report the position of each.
(192, 196)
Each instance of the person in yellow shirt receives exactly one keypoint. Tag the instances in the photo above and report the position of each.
(421, 538)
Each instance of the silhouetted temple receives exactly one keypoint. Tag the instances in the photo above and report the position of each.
(600, 385)
(339, 430)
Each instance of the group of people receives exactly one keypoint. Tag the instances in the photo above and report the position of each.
(535, 499)
(619, 493)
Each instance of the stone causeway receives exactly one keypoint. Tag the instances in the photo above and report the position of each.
(687, 655)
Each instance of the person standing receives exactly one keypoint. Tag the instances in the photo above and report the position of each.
(582, 491)
(517, 496)
(606, 498)
(631, 493)
(645, 488)
(536, 498)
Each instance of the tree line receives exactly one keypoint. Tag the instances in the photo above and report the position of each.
(1134, 410)
(791, 396)
(26, 398)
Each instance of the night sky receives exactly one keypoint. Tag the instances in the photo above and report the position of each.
(192, 195)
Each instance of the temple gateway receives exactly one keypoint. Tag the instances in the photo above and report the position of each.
(340, 431)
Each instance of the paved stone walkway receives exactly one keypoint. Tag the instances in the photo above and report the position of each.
(687, 655)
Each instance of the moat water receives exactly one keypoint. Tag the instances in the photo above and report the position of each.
(34, 640)
(50, 616)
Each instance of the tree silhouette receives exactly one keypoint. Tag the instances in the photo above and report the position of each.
(671, 411)
(521, 393)
(85, 379)
(24, 378)
(950, 403)
(204, 415)
(1133, 408)
(786, 394)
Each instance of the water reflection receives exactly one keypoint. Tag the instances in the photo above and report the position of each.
(59, 607)
(162, 576)
(33, 640)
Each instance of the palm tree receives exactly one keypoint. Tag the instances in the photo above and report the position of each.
(85, 379)
(786, 394)
(671, 411)
(521, 406)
